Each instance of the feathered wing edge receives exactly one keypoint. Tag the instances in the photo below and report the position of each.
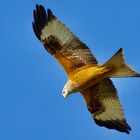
(104, 105)
(60, 42)
(41, 19)
(119, 125)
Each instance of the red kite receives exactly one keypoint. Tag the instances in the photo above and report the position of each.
(83, 71)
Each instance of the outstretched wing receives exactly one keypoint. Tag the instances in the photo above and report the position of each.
(105, 107)
(60, 41)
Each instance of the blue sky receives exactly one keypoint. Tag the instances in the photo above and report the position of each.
(31, 80)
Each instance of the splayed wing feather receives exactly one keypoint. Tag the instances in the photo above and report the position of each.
(105, 107)
(60, 41)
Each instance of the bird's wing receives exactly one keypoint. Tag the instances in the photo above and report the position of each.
(105, 107)
(59, 41)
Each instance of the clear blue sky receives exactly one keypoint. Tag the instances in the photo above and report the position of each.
(31, 80)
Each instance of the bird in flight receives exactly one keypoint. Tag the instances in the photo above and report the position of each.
(84, 72)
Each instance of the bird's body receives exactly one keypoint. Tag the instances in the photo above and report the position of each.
(88, 76)
(83, 71)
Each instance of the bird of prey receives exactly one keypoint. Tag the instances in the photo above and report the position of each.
(84, 73)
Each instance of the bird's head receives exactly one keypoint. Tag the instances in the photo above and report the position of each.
(65, 93)
(68, 89)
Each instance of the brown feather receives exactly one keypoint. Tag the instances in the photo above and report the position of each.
(105, 107)
(59, 41)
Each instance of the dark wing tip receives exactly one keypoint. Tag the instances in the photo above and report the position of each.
(119, 125)
(50, 15)
(36, 31)
(41, 19)
(137, 75)
(120, 50)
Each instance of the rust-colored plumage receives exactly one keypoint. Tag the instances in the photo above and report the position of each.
(84, 72)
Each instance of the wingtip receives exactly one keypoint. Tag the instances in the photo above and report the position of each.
(118, 125)
(137, 75)
(36, 6)
(120, 50)
(50, 14)
(36, 31)
(40, 19)
(42, 7)
(49, 11)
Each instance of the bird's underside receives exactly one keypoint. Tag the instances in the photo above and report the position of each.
(101, 97)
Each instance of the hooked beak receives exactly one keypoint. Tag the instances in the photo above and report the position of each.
(65, 94)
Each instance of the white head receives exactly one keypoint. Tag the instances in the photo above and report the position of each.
(68, 88)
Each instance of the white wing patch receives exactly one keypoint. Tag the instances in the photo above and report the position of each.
(54, 27)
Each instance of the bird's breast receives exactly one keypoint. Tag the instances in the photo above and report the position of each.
(87, 77)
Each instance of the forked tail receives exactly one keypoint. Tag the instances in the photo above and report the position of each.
(118, 66)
